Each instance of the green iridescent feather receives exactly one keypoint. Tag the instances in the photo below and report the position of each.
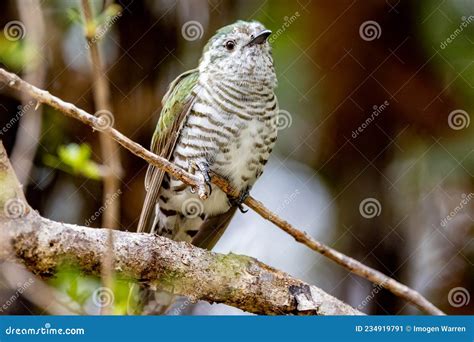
(174, 102)
(176, 105)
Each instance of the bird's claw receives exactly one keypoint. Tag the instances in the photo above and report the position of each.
(238, 202)
(241, 209)
(203, 168)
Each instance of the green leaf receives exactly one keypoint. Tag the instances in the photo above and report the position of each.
(110, 12)
(83, 297)
(16, 54)
(72, 289)
(74, 159)
(74, 155)
(74, 15)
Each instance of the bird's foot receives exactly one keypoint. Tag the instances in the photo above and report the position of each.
(238, 201)
(203, 168)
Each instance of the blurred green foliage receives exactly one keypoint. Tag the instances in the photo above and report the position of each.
(86, 294)
(449, 32)
(74, 159)
(453, 40)
(15, 54)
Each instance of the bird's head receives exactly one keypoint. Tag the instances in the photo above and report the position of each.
(239, 50)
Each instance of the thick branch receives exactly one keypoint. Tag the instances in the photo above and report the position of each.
(161, 263)
(349, 263)
(178, 267)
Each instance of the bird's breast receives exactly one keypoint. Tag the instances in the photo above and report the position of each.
(234, 131)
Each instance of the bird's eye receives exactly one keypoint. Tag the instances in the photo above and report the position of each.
(229, 45)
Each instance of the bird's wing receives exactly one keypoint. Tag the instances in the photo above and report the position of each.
(177, 103)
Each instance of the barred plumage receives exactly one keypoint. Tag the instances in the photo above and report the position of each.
(227, 122)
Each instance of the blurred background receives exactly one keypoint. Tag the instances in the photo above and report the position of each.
(374, 155)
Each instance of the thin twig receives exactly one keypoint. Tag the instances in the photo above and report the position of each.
(110, 153)
(347, 262)
(36, 291)
(101, 91)
(28, 136)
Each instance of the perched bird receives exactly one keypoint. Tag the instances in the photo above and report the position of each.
(220, 117)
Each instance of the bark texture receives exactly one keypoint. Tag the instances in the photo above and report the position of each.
(160, 263)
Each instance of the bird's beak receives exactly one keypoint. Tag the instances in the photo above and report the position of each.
(260, 38)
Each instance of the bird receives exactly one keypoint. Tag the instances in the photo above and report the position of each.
(222, 118)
